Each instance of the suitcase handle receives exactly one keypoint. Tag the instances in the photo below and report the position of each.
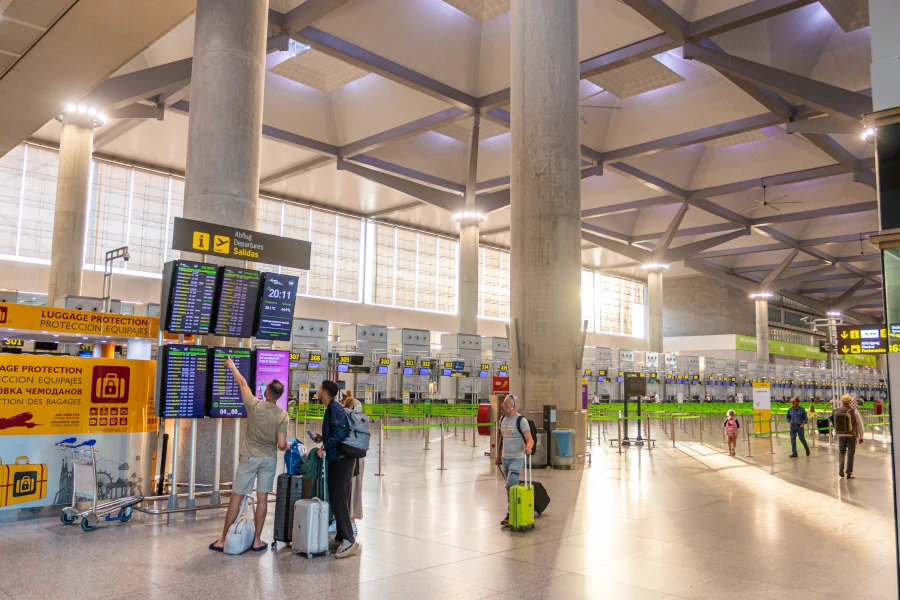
(24, 460)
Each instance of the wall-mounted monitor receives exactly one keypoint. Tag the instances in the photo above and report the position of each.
(182, 392)
(407, 371)
(237, 294)
(383, 369)
(188, 292)
(224, 398)
(482, 374)
(424, 372)
(275, 315)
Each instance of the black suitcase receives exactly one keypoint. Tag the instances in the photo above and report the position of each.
(541, 497)
(288, 490)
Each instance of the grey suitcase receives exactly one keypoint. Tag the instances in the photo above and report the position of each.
(310, 535)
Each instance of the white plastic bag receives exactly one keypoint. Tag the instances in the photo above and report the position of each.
(241, 534)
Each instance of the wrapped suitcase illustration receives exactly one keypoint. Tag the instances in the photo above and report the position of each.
(22, 482)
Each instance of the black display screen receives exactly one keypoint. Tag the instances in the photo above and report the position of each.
(236, 297)
(192, 289)
(183, 387)
(276, 306)
(224, 398)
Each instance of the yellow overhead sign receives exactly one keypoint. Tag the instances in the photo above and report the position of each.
(76, 322)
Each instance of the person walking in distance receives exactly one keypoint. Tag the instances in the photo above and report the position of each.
(263, 436)
(335, 428)
(848, 427)
(732, 428)
(796, 416)
(515, 443)
(356, 505)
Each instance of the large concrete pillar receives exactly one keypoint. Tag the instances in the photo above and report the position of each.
(225, 126)
(222, 174)
(762, 330)
(655, 304)
(546, 210)
(469, 223)
(76, 144)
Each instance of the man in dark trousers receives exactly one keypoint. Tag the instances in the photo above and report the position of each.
(796, 416)
(335, 428)
(848, 426)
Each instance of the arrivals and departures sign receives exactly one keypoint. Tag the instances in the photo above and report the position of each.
(239, 244)
(862, 339)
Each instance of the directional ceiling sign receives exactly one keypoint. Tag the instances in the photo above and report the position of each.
(862, 339)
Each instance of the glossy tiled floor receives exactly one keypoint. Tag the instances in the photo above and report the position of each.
(685, 522)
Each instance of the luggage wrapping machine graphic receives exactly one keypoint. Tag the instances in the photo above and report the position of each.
(22, 482)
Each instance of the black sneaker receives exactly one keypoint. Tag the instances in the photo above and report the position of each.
(807, 451)
(841, 472)
(505, 521)
(794, 455)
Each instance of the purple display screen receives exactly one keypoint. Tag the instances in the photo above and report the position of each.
(269, 365)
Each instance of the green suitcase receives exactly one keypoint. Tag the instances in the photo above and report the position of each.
(521, 502)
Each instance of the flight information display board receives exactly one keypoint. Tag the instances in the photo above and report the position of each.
(224, 398)
(276, 307)
(183, 387)
(191, 291)
(237, 295)
(269, 365)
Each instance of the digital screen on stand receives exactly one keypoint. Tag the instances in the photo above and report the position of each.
(276, 307)
(224, 395)
(424, 372)
(447, 372)
(192, 289)
(383, 369)
(268, 366)
(183, 387)
(343, 368)
(482, 374)
(503, 374)
(407, 371)
(235, 305)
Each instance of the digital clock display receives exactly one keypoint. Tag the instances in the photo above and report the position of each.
(276, 306)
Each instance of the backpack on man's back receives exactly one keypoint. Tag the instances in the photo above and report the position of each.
(845, 423)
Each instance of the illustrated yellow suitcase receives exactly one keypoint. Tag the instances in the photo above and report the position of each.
(22, 482)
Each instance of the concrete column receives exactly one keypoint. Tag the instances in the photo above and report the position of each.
(545, 211)
(67, 252)
(655, 303)
(468, 243)
(884, 16)
(224, 137)
(225, 126)
(762, 330)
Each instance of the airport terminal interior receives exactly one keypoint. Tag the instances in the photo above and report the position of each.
(578, 299)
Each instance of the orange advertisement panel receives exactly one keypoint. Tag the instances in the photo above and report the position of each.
(43, 395)
(76, 322)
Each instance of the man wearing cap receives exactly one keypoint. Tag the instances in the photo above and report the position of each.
(796, 416)
(515, 441)
(848, 426)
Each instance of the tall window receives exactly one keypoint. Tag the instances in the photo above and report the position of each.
(35, 235)
(411, 269)
(11, 181)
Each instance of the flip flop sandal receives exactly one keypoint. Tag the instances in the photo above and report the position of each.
(213, 547)
(262, 548)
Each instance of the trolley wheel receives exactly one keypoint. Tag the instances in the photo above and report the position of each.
(68, 515)
(328, 553)
(125, 514)
(274, 545)
(89, 522)
(309, 555)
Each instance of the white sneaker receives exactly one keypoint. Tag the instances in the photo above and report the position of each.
(347, 549)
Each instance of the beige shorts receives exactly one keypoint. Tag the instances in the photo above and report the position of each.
(258, 468)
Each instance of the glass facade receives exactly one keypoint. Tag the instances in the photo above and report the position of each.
(352, 259)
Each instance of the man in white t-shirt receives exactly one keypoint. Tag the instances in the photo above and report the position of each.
(516, 442)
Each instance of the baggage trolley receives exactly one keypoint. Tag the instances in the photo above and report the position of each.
(83, 459)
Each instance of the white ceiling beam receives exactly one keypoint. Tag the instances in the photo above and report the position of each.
(308, 13)
(118, 92)
(402, 132)
(440, 199)
(661, 15)
(743, 15)
(773, 276)
(295, 170)
(691, 250)
(633, 252)
(662, 246)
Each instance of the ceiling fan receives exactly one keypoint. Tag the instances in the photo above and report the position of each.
(766, 203)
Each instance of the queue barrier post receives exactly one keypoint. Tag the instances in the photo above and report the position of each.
(216, 496)
(380, 472)
(442, 446)
(772, 438)
(674, 426)
(619, 423)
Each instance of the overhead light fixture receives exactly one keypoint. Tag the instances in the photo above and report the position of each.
(97, 116)
(834, 313)
(759, 295)
(654, 266)
(469, 216)
(868, 133)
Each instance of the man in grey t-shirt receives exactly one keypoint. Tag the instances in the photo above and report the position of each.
(516, 441)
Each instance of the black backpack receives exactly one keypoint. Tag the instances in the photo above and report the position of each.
(843, 423)
(533, 428)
